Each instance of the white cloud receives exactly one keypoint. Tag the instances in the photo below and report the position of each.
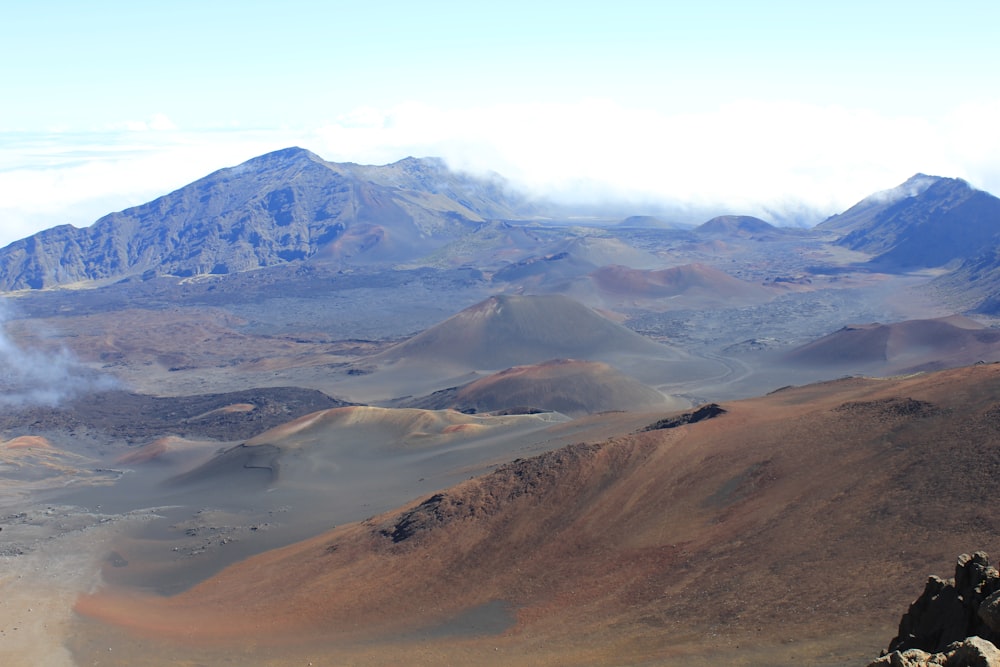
(973, 133)
(35, 377)
(745, 157)
(158, 122)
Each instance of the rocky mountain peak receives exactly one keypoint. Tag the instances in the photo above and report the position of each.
(285, 206)
(874, 203)
(290, 154)
(913, 186)
(928, 221)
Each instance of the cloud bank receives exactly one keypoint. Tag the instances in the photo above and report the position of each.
(784, 161)
(39, 378)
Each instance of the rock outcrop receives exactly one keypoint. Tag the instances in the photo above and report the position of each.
(972, 652)
(707, 411)
(954, 623)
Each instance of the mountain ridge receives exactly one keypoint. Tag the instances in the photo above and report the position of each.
(291, 205)
(926, 222)
(273, 209)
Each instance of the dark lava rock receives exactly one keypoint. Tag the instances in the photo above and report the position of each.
(707, 411)
(115, 414)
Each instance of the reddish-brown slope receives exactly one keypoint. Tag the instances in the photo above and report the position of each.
(569, 386)
(809, 515)
(690, 285)
(903, 346)
(169, 450)
(512, 330)
(674, 281)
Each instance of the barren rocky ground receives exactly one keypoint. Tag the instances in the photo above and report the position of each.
(180, 471)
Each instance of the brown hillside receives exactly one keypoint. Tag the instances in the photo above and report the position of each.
(903, 346)
(568, 386)
(327, 447)
(169, 450)
(693, 280)
(789, 530)
(27, 459)
(508, 330)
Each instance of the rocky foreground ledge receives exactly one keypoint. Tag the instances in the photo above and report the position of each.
(954, 623)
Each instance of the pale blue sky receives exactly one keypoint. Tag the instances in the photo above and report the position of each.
(761, 107)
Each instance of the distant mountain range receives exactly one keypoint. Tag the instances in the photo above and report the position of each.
(291, 205)
(280, 207)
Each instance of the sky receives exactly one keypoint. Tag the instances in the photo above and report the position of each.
(788, 110)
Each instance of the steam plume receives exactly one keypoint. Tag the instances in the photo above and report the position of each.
(30, 377)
